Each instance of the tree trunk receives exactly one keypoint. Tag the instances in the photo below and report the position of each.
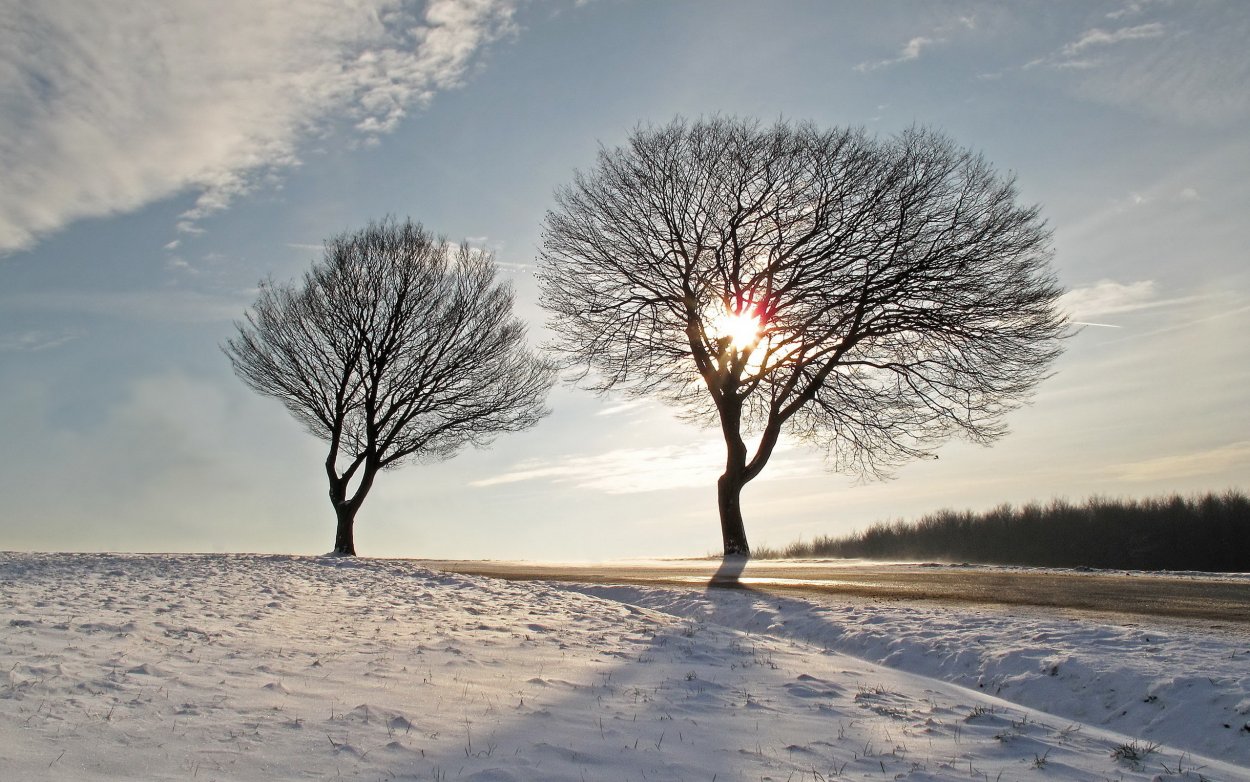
(344, 540)
(729, 486)
(734, 533)
(345, 507)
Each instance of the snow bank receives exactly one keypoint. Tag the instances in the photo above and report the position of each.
(277, 668)
(1182, 684)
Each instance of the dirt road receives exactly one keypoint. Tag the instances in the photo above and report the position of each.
(1186, 597)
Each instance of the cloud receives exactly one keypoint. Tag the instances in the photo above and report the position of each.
(180, 264)
(1077, 54)
(1098, 37)
(172, 306)
(107, 106)
(1157, 194)
(1128, 10)
(626, 406)
(622, 471)
(32, 341)
(915, 47)
(1108, 297)
(910, 51)
(513, 268)
(1189, 64)
(637, 470)
(1212, 461)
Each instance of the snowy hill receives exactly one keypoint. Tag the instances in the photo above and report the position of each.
(274, 668)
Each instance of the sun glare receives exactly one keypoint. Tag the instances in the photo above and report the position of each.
(742, 328)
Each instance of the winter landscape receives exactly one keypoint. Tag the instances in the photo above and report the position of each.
(251, 667)
(612, 284)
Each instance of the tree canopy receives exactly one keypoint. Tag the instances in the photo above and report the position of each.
(394, 347)
(872, 296)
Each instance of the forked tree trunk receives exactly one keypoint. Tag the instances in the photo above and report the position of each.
(729, 486)
(345, 507)
(344, 540)
(728, 496)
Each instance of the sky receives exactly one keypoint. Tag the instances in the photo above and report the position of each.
(159, 158)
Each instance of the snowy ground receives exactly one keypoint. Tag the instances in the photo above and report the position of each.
(1185, 684)
(265, 668)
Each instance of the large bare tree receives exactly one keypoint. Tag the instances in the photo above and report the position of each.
(394, 347)
(869, 295)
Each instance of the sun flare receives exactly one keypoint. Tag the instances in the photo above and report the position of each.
(742, 328)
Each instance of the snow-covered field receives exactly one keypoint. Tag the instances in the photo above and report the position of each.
(267, 668)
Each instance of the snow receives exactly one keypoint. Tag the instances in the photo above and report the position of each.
(1183, 684)
(251, 667)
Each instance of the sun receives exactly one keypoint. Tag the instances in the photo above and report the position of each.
(742, 329)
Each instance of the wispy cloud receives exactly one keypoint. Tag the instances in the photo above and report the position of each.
(107, 107)
(1186, 62)
(1131, 8)
(1212, 461)
(917, 45)
(1098, 37)
(624, 407)
(910, 51)
(636, 470)
(513, 268)
(1082, 52)
(1108, 297)
(33, 341)
(173, 306)
(622, 471)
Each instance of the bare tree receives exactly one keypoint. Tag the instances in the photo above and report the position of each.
(871, 296)
(393, 348)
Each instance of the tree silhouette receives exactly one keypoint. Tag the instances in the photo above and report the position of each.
(871, 296)
(394, 347)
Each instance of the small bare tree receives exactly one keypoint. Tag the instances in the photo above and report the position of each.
(872, 296)
(393, 348)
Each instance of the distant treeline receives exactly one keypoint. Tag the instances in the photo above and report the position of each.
(1210, 532)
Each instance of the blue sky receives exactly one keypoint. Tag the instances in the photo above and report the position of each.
(160, 158)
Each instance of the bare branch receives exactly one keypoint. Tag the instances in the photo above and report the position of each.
(901, 293)
(393, 348)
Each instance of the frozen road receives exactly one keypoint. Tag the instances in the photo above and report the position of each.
(1197, 597)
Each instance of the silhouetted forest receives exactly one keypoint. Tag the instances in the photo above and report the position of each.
(1209, 532)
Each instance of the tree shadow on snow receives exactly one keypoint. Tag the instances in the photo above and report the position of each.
(729, 573)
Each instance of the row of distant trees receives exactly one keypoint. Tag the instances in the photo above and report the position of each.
(872, 296)
(1208, 532)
